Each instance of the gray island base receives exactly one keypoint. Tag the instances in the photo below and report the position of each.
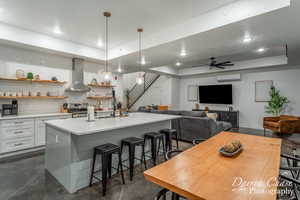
(70, 143)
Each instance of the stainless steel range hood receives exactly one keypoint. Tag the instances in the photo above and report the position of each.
(77, 77)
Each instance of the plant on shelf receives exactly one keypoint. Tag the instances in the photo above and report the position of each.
(277, 102)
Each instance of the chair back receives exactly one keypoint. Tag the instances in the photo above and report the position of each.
(171, 154)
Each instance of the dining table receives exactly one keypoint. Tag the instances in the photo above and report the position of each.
(202, 173)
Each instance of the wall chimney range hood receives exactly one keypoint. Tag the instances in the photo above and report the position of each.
(77, 77)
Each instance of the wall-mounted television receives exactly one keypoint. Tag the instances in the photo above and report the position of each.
(215, 94)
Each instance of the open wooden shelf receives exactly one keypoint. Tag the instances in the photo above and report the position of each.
(100, 98)
(33, 81)
(33, 97)
(101, 86)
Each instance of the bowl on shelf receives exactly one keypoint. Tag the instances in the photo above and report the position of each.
(20, 74)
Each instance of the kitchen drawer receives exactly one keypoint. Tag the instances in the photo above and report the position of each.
(10, 133)
(18, 123)
(17, 144)
(17, 128)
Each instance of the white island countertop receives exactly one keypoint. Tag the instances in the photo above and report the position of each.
(80, 126)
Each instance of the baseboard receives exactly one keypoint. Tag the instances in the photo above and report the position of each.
(9, 157)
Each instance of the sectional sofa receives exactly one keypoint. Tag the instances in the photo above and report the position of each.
(193, 124)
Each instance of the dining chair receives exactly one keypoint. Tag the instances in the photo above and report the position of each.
(162, 194)
(198, 141)
(291, 174)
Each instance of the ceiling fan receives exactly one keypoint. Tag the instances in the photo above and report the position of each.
(220, 65)
(214, 64)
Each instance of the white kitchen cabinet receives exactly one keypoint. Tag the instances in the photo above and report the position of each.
(17, 123)
(40, 133)
(22, 134)
(17, 144)
(16, 134)
(13, 133)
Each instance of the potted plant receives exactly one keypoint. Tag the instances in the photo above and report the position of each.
(277, 103)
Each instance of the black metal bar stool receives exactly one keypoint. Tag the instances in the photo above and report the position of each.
(169, 133)
(155, 137)
(106, 151)
(132, 142)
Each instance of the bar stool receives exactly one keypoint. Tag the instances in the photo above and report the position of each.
(132, 142)
(169, 133)
(155, 137)
(106, 151)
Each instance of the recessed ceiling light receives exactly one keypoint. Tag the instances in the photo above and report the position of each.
(260, 50)
(177, 64)
(57, 30)
(247, 39)
(183, 53)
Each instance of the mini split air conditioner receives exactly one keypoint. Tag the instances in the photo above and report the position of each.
(229, 78)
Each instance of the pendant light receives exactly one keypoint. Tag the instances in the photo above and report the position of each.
(140, 77)
(107, 73)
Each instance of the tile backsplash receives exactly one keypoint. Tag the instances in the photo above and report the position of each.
(47, 66)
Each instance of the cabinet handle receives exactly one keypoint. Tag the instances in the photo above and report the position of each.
(19, 144)
(18, 132)
(19, 122)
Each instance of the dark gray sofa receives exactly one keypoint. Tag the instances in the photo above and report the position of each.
(193, 124)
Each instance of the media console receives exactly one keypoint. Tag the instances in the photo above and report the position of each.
(226, 116)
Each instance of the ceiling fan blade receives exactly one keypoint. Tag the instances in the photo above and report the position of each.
(229, 64)
(200, 65)
(223, 63)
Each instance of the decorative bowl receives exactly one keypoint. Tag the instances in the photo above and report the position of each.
(230, 154)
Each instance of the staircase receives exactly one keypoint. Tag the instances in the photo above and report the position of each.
(137, 91)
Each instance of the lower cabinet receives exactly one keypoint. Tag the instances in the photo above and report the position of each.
(17, 134)
(21, 134)
(17, 144)
(40, 133)
(40, 130)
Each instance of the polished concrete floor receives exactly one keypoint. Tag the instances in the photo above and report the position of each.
(24, 178)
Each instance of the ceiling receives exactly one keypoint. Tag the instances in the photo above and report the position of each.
(83, 22)
(272, 31)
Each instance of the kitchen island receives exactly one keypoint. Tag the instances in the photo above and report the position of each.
(70, 143)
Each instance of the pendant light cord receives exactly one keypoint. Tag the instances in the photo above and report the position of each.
(140, 51)
(106, 15)
(106, 46)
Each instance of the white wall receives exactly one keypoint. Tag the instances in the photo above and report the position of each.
(47, 65)
(162, 92)
(129, 80)
(251, 112)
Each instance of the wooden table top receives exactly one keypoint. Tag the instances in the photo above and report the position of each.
(202, 173)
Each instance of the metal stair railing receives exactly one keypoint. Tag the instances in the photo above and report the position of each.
(138, 91)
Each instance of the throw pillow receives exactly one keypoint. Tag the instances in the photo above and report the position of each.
(213, 116)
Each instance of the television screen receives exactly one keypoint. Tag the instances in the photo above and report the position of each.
(215, 94)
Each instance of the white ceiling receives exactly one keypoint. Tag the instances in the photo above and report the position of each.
(83, 22)
(272, 31)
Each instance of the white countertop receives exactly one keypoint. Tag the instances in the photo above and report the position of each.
(34, 116)
(79, 126)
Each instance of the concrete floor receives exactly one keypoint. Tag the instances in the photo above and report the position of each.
(25, 179)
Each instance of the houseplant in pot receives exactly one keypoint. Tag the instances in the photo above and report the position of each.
(277, 103)
(279, 124)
